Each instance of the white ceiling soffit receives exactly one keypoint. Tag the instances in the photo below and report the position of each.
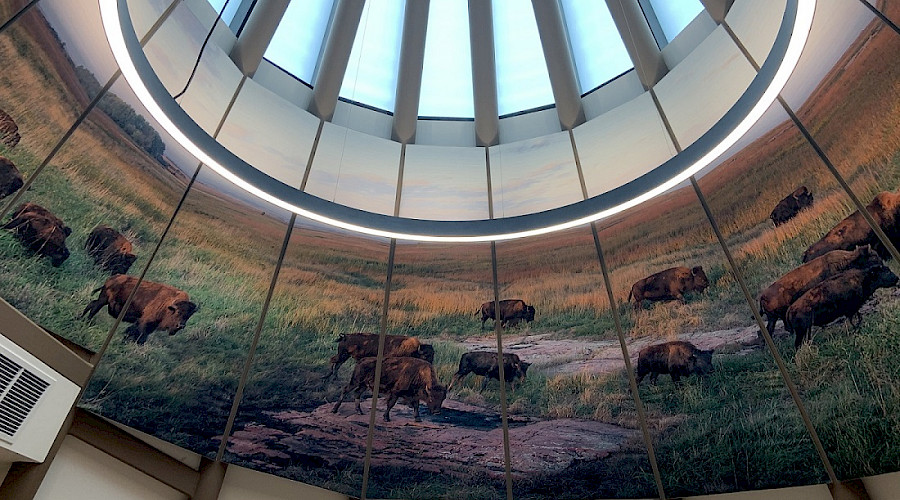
(759, 95)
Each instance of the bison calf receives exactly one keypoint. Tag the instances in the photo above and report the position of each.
(677, 358)
(841, 295)
(511, 312)
(412, 379)
(155, 306)
(486, 365)
(41, 232)
(365, 345)
(10, 177)
(670, 284)
(110, 250)
(791, 205)
(775, 300)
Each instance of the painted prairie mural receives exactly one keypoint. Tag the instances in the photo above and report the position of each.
(254, 335)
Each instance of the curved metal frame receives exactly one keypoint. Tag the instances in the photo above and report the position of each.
(762, 91)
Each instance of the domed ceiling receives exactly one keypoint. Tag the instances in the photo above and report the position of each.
(549, 180)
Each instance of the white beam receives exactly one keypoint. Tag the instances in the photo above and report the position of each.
(639, 41)
(560, 65)
(335, 57)
(409, 80)
(257, 34)
(484, 73)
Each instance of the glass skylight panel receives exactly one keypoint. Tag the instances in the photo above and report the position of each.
(230, 10)
(522, 78)
(675, 15)
(596, 44)
(298, 40)
(447, 70)
(371, 76)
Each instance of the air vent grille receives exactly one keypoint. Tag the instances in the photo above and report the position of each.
(20, 391)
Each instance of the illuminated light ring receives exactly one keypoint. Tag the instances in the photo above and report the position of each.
(756, 99)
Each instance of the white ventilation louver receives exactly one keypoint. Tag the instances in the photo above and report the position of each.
(20, 390)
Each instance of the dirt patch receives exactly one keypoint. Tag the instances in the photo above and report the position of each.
(463, 440)
(555, 356)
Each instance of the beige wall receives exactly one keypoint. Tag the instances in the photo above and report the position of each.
(80, 471)
(83, 472)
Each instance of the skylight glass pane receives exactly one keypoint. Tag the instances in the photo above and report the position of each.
(298, 39)
(522, 78)
(674, 15)
(447, 71)
(597, 47)
(371, 76)
(232, 7)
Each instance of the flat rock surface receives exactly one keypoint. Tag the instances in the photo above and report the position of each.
(555, 356)
(462, 440)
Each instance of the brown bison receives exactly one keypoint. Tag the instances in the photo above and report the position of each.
(412, 379)
(670, 284)
(854, 231)
(486, 365)
(40, 231)
(365, 345)
(10, 177)
(155, 306)
(110, 250)
(775, 300)
(511, 312)
(841, 295)
(9, 131)
(791, 205)
(677, 358)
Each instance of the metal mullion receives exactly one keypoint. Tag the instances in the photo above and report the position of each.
(18, 14)
(379, 361)
(620, 334)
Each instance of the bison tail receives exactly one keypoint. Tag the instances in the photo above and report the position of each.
(97, 289)
(630, 294)
(340, 338)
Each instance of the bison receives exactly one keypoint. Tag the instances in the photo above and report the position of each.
(40, 231)
(775, 300)
(412, 379)
(511, 312)
(110, 250)
(670, 284)
(155, 306)
(677, 358)
(841, 295)
(486, 365)
(854, 231)
(791, 205)
(9, 131)
(365, 345)
(10, 177)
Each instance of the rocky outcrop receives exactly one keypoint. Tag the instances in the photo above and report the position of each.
(464, 440)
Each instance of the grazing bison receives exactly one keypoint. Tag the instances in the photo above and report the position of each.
(775, 300)
(10, 177)
(841, 295)
(9, 131)
(677, 358)
(365, 345)
(40, 231)
(155, 306)
(791, 205)
(854, 231)
(412, 379)
(511, 312)
(670, 284)
(110, 250)
(486, 365)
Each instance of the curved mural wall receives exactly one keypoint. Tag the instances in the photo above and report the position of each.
(273, 317)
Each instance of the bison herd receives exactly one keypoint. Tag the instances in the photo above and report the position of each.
(408, 371)
(839, 273)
